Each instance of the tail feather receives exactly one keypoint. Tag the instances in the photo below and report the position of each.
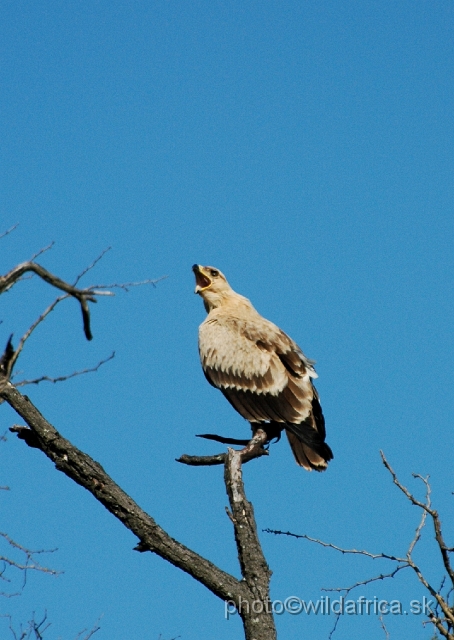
(307, 457)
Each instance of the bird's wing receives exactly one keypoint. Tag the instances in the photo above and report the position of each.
(259, 369)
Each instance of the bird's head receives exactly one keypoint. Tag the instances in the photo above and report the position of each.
(211, 285)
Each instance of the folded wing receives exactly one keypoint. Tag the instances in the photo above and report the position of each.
(267, 378)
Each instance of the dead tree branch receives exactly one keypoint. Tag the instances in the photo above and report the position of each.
(91, 265)
(89, 474)
(83, 296)
(254, 449)
(254, 568)
(8, 231)
(250, 594)
(41, 251)
(68, 376)
(442, 616)
(26, 562)
(427, 509)
(29, 332)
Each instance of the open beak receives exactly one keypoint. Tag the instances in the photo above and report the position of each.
(201, 278)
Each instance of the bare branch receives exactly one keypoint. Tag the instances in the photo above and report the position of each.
(254, 568)
(67, 377)
(90, 266)
(125, 285)
(29, 555)
(404, 490)
(82, 295)
(29, 331)
(27, 562)
(202, 461)
(444, 549)
(8, 231)
(253, 449)
(41, 251)
(422, 521)
(90, 475)
(90, 633)
(33, 627)
(442, 624)
(362, 583)
(383, 626)
(220, 458)
(374, 556)
(77, 465)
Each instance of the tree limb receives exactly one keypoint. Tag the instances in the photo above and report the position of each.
(68, 376)
(8, 231)
(89, 474)
(427, 508)
(445, 624)
(254, 568)
(82, 295)
(250, 595)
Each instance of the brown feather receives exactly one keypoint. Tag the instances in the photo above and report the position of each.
(260, 370)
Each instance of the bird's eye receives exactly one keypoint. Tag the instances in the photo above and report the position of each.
(214, 273)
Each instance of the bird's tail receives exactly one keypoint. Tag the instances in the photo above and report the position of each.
(308, 448)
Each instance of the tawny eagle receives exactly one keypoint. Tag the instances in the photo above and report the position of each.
(260, 370)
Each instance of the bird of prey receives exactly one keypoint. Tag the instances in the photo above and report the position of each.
(260, 370)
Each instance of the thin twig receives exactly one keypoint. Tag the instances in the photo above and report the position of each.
(444, 549)
(90, 266)
(41, 251)
(28, 552)
(383, 626)
(8, 231)
(362, 583)
(30, 563)
(67, 377)
(374, 556)
(125, 285)
(30, 330)
(90, 633)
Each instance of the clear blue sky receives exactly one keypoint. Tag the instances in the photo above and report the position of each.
(306, 150)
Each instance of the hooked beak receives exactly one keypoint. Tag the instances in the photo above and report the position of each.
(201, 278)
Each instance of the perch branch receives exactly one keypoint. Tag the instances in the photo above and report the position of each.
(253, 449)
(254, 586)
(254, 568)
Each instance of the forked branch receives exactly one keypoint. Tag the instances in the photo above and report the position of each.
(442, 615)
(77, 465)
(84, 296)
(250, 594)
